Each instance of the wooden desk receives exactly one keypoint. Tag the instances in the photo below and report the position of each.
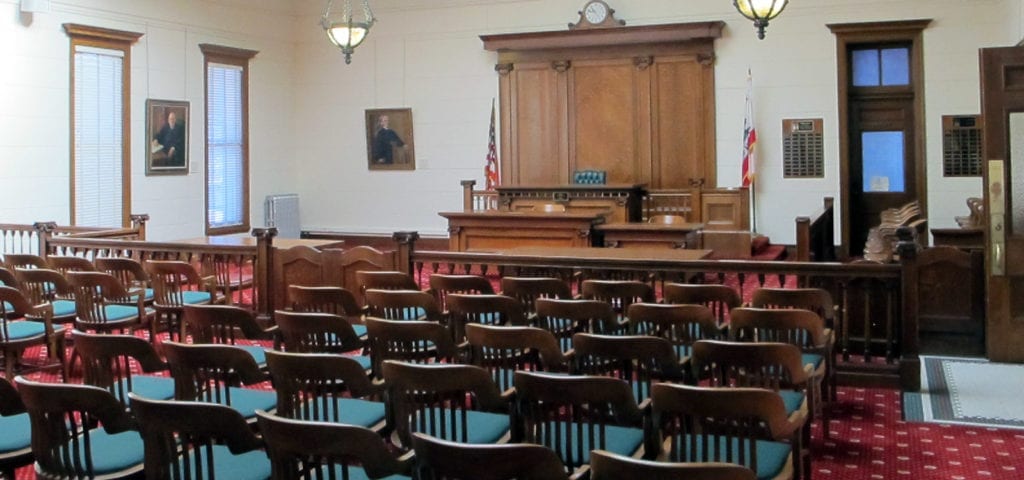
(250, 241)
(497, 229)
(625, 202)
(965, 238)
(658, 235)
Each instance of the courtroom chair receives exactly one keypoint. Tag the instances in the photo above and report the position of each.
(720, 299)
(773, 366)
(590, 177)
(69, 263)
(438, 459)
(563, 318)
(639, 360)
(609, 466)
(16, 443)
(129, 271)
(620, 294)
(409, 341)
(667, 220)
(42, 285)
(528, 289)
(65, 439)
(549, 208)
(197, 440)
(215, 373)
(385, 280)
(681, 325)
(733, 425)
(19, 330)
(310, 332)
(326, 388)
(402, 305)
(8, 279)
(484, 310)
(442, 285)
(24, 260)
(176, 284)
(108, 361)
(505, 350)
(226, 325)
(458, 403)
(103, 305)
(231, 274)
(334, 300)
(573, 415)
(306, 450)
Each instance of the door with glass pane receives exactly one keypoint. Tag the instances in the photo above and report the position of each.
(1002, 99)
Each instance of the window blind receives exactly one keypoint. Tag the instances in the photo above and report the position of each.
(99, 189)
(226, 163)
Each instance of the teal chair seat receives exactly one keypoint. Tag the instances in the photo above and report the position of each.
(258, 353)
(791, 400)
(621, 440)
(17, 435)
(363, 360)
(812, 359)
(246, 401)
(120, 312)
(353, 411)
(359, 329)
(481, 427)
(252, 465)
(190, 297)
(772, 457)
(150, 386)
(23, 330)
(113, 453)
(63, 308)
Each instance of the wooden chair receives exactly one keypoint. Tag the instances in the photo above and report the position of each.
(69, 263)
(102, 304)
(443, 460)
(42, 285)
(408, 341)
(528, 289)
(720, 299)
(14, 261)
(704, 424)
(609, 466)
(176, 284)
(307, 450)
(231, 274)
(305, 332)
(637, 360)
(483, 310)
(681, 325)
(773, 366)
(212, 373)
(16, 445)
(197, 440)
(8, 279)
(65, 439)
(385, 280)
(454, 402)
(620, 294)
(505, 350)
(326, 388)
(573, 415)
(563, 318)
(402, 305)
(222, 324)
(18, 332)
(130, 272)
(442, 285)
(816, 300)
(333, 300)
(109, 360)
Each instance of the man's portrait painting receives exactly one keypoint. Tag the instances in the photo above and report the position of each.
(166, 137)
(389, 142)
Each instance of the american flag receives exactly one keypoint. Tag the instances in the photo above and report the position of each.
(749, 137)
(491, 169)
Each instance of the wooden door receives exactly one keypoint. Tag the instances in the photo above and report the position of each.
(882, 161)
(1002, 99)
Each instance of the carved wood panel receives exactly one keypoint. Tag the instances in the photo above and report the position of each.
(683, 144)
(603, 118)
(537, 135)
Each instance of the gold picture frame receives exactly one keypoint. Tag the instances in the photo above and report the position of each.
(389, 139)
(167, 137)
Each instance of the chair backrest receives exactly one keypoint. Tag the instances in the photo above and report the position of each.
(402, 305)
(63, 417)
(179, 438)
(308, 450)
(334, 300)
(15, 455)
(619, 293)
(720, 299)
(409, 341)
(639, 360)
(128, 270)
(569, 413)
(385, 280)
(799, 327)
(221, 323)
(205, 372)
(69, 263)
(442, 285)
(94, 291)
(43, 285)
(483, 310)
(528, 289)
(609, 466)
(438, 459)
(310, 332)
(505, 350)
(171, 278)
(723, 422)
(816, 300)
(434, 399)
(592, 177)
(108, 361)
(770, 365)
(563, 318)
(309, 385)
(679, 324)
(24, 260)
(8, 279)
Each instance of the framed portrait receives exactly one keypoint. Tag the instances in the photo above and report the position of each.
(166, 137)
(389, 140)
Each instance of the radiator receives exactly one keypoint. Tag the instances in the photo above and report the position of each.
(282, 211)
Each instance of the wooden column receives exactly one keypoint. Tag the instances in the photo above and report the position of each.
(910, 361)
(406, 243)
(139, 223)
(467, 195)
(44, 231)
(264, 273)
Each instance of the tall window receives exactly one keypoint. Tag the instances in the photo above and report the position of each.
(227, 138)
(100, 132)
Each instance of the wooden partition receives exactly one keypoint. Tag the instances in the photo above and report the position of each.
(815, 235)
(21, 238)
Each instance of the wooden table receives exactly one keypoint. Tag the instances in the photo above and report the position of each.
(250, 241)
(658, 235)
(496, 229)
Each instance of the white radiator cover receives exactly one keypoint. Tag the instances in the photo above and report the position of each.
(282, 211)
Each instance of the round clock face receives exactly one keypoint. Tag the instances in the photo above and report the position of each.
(596, 12)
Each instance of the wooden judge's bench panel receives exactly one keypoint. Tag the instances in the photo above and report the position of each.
(617, 203)
(495, 230)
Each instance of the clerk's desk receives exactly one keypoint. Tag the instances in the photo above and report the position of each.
(499, 229)
(618, 203)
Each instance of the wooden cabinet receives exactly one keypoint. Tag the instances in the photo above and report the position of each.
(636, 102)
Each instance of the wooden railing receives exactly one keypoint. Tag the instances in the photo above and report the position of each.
(20, 238)
(815, 235)
(477, 200)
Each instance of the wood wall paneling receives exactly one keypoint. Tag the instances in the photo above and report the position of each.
(603, 119)
(538, 133)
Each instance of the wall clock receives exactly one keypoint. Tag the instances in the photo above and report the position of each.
(597, 14)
